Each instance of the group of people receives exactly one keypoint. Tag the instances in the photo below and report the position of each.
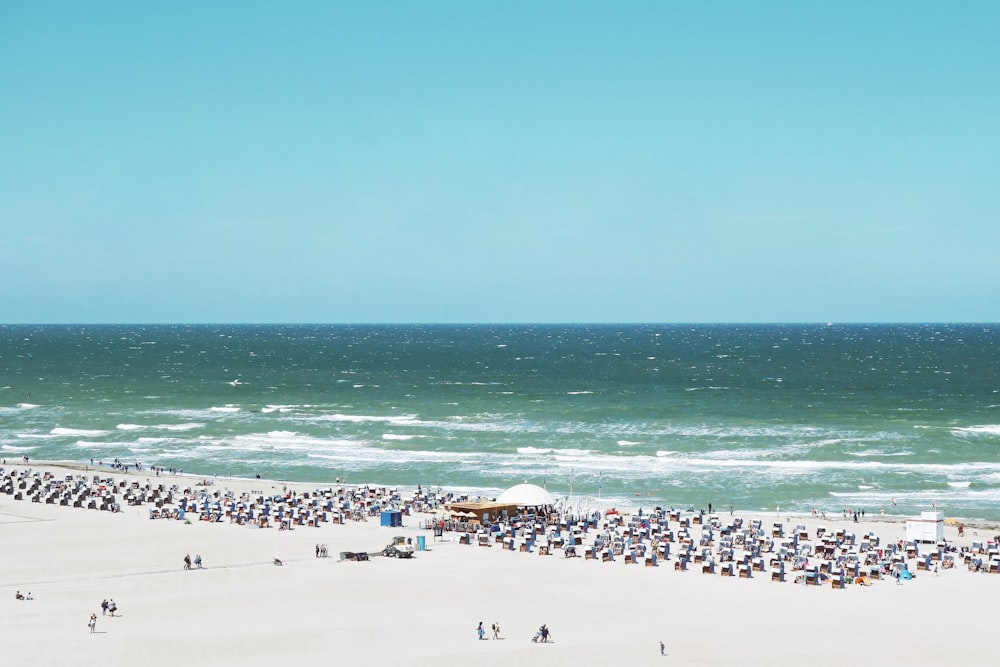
(542, 635)
(21, 596)
(481, 633)
(118, 464)
(187, 561)
(107, 607)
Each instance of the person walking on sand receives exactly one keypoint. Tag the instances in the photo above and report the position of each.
(187, 561)
(92, 623)
(104, 607)
(480, 631)
(197, 561)
(663, 649)
(496, 630)
(112, 607)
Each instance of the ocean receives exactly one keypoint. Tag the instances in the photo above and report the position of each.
(900, 418)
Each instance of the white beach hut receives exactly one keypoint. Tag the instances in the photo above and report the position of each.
(928, 528)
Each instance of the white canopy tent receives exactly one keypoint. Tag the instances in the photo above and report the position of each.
(526, 495)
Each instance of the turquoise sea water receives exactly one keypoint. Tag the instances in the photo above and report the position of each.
(796, 416)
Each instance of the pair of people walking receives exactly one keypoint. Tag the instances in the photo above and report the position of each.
(481, 633)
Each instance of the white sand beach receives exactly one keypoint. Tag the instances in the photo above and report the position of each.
(241, 608)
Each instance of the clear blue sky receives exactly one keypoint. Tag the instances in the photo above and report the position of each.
(499, 161)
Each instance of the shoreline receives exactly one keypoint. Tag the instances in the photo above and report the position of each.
(622, 504)
(424, 610)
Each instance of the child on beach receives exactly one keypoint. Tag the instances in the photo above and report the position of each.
(92, 623)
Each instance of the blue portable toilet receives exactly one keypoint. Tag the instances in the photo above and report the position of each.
(421, 543)
(392, 518)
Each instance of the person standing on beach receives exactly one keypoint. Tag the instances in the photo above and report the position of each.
(663, 648)
(104, 607)
(480, 631)
(92, 623)
(112, 607)
(496, 630)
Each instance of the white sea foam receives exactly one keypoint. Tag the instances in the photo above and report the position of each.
(15, 448)
(628, 443)
(959, 485)
(457, 383)
(97, 444)
(407, 420)
(399, 436)
(880, 452)
(78, 432)
(986, 429)
(37, 436)
(225, 408)
(278, 408)
(193, 415)
(188, 426)
(534, 450)
(359, 459)
(941, 498)
(287, 442)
